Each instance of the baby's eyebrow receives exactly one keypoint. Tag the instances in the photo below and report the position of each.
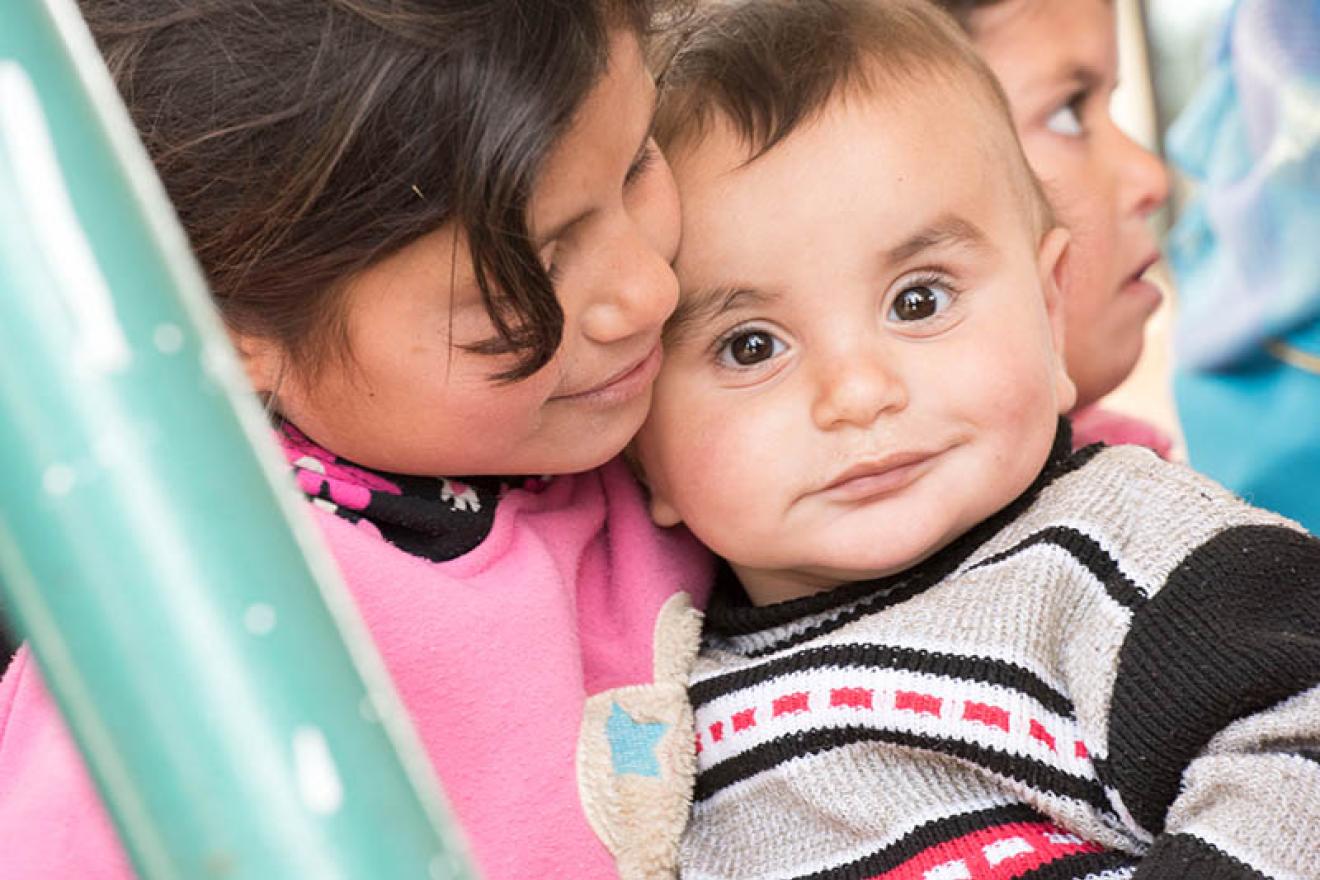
(948, 230)
(706, 304)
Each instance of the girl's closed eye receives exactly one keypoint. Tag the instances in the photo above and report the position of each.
(550, 260)
(923, 304)
(746, 347)
(645, 159)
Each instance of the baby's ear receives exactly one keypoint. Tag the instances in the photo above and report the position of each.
(1054, 265)
(662, 513)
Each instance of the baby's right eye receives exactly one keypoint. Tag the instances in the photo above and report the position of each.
(747, 348)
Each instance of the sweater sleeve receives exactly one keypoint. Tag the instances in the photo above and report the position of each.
(1214, 727)
(52, 823)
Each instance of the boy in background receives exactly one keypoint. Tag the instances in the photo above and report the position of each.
(945, 645)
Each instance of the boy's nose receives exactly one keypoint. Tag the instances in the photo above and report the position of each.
(856, 389)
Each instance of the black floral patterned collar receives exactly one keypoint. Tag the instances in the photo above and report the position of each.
(436, 518)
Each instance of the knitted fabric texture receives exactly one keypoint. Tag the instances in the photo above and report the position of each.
(1117, 676)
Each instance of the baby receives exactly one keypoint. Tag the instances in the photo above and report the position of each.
(945, 646)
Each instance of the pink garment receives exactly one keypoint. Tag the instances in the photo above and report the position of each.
(1095, 425)
(494, 653)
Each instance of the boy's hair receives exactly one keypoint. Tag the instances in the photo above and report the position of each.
(769, 66)
(302, 140)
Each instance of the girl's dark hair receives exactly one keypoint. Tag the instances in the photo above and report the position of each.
(302, 140)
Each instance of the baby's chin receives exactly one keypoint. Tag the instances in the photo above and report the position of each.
(768, 586)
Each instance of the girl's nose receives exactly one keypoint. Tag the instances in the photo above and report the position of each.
(1146, 178)
(636, 298)
(855, 388)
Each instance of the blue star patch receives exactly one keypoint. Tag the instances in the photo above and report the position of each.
(632, 743)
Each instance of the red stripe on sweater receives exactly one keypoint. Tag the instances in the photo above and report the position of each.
(744, 719)
(1000, 853)
(790, 703)
(922, 704)
(852, 698)
(1039, 732)
(992, 716)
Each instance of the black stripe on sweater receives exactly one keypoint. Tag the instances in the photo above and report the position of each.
(1180, 856)
(926, 837)
(866, 656)
(1235, 631)
(1082, 547)
(781, 750)
(1082, 866)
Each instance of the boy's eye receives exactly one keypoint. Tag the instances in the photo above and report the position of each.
(750, 347)
(919, 302)
(1066, 121)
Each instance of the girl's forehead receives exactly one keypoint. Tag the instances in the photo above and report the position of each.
(1052, 38)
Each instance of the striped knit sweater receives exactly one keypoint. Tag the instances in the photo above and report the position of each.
(1118, 676)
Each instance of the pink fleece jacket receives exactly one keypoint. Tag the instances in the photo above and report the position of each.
(529, 665)
(1093, 424)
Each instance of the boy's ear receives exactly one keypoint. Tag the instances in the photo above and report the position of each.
(1054, 264)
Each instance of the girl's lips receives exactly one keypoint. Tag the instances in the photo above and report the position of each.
(622, 386)
(1144, 288)
(1138, 285)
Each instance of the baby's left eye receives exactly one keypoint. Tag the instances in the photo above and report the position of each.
(747, 348)
(919, 302)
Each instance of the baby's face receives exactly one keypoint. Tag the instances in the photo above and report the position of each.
(863, 365)
(1058, 61)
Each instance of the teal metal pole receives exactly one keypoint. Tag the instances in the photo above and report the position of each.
(233, 711)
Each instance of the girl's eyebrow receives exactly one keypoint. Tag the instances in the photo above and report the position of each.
(560, 228)
(1071, 75)
(558, 232)
(1085, 76)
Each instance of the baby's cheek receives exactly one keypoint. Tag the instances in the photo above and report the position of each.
(708, 476)
(1017, 405)
(1003, 397)
(713, 488)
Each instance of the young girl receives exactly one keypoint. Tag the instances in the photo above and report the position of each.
(440, 235)
(1058, 63)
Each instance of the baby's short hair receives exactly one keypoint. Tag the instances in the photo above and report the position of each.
(768, 66)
